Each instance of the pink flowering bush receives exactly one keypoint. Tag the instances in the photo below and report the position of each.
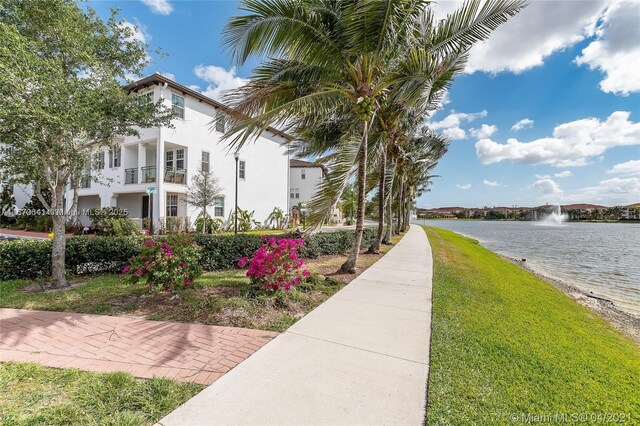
(164, 265)
(276, 265)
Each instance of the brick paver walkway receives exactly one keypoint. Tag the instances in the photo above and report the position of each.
(186, 352)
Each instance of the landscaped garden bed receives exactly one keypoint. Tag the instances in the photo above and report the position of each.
(225, 298)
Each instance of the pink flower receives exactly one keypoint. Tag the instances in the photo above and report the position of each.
(183, 264)
(126, 269)
(263, 238)
(242, 262)
(306, 273)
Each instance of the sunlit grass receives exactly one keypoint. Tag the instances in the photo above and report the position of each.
(35, 395)
(506, 343)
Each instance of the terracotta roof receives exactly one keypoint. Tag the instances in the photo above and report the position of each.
(159, 78)
(294, 162)
(583, 206)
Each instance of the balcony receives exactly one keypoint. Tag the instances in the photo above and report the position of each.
(148, 174)
(131, 176)
(175, 176)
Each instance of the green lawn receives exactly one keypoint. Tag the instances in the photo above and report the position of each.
(506, 344)
(35, 395)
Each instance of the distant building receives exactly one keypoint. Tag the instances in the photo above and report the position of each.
(305, 179)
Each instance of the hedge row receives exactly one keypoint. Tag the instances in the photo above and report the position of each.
(32, 259)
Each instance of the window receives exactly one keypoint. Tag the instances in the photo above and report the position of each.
(172, 205)
(218, 207)
(98, 160)
(242, 170)
(303, 174)
(177, 106)
(145, 99)
(168, 160)
(219, 122)
(294, 193)
(205, 162)
(115, 157)
(180, 159)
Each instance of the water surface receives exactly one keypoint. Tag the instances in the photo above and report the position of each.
(603, 258)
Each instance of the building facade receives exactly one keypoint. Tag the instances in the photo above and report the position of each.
(305, 179)
(163, 160)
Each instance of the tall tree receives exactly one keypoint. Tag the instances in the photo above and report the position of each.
(335, 61)
(61, 70)
(202, 193)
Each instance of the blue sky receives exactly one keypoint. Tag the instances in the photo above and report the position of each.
(567, 71)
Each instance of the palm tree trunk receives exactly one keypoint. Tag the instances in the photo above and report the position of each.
(349, 266)
(389, 213)
(375, 247)
(399, 207)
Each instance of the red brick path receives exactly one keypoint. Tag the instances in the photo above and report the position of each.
(186, 352)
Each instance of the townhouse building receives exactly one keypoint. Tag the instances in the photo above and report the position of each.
(163, 161)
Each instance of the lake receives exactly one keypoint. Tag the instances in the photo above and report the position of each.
(603, 258)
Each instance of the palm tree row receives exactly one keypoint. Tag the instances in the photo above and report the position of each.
(354, 81)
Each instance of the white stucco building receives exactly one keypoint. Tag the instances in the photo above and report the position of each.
(166, 159)
(304, 180)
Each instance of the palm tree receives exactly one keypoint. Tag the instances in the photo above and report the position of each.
(335, 61)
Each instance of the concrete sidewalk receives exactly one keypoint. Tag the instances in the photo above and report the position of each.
(362, 357)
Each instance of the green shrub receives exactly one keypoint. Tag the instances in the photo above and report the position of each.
(32, 259)
(165, 264)
(224, 251)
(25, 259)
(113, 221)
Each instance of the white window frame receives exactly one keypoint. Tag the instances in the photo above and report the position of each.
(207, 161)
(98, 160)
(171, 205)
(115, 156)
(303, 174)
(219, 124)
(242, 170)
(218, 207)
(180, 158)
(168, 160)
(294, 193)
(176, 108)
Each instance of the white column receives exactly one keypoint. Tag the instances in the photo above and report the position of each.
(142, 158)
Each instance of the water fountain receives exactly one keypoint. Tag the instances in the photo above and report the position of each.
(555, 218)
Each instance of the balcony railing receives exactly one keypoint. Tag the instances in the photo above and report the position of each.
(148, 174)
(131, 176)
(175, 176)
(85, 181)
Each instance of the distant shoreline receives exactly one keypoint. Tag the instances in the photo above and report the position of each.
(636, 221)
(625, 322)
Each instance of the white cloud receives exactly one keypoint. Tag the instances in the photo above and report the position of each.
(465, 186)
(616, 52)
(169, 75)
(455, 133)
(490, 183)
(219, 79)
(138, 31)
(629, 167)
(455, 119)
(547, 186)
(160, 7)
(526, 40)
(563, 174)
(484, 131)
(616, 191)
(450, 125)
(522, 124)
(194, 87)
(572, 144)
